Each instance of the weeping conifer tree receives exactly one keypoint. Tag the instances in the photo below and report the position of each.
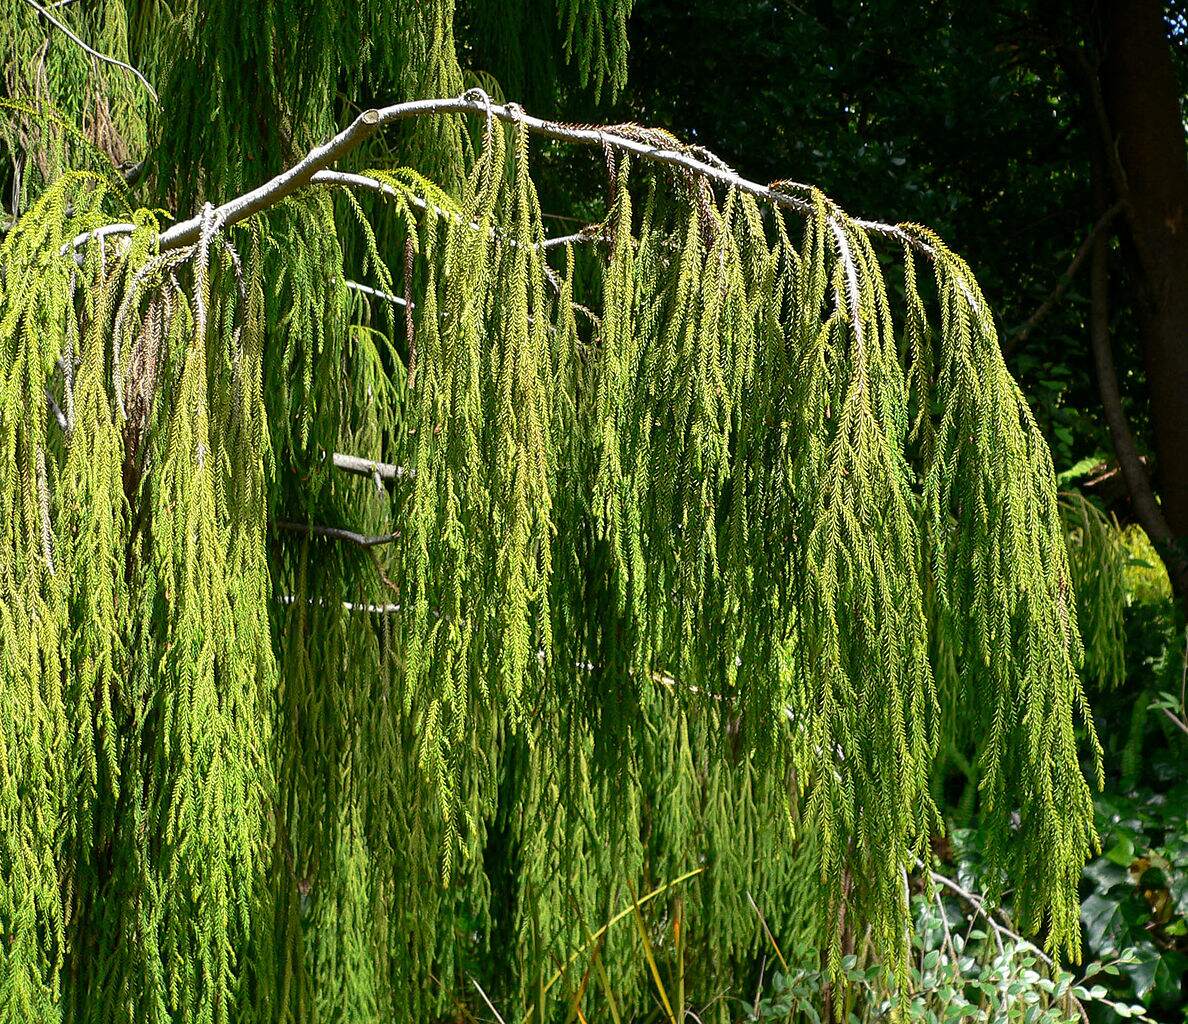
(391, 594)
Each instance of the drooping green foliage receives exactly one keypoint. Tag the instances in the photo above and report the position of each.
(1099, 560)
(295, 94)
(680, 566)
(64, 110)
(537, 52)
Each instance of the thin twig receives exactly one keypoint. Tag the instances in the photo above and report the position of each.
(1171, 717)
(952, 951)
(843, 250)
(577, 236)
(56, 409)
(122, 228)
(759, 986)
(347, 179)
(337, 533)
(490, 1005)
(944, 917)
(350, 606)
(94, 53)
(767, 931)
(385, 471)
(1021, 333)
(998, 929)
(355, 286)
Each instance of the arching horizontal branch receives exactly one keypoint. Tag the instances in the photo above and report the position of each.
(315, 165)
(315, 168)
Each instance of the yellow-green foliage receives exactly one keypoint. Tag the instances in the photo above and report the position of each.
(1113, 567)
(1145, 575)
(596, 37)
(662, 585)
(1099, 562)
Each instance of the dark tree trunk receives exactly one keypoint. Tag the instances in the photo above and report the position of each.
(1138, 484)
(1142, 106)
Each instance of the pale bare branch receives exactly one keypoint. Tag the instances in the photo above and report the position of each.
(385, 471)
(320, 159)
